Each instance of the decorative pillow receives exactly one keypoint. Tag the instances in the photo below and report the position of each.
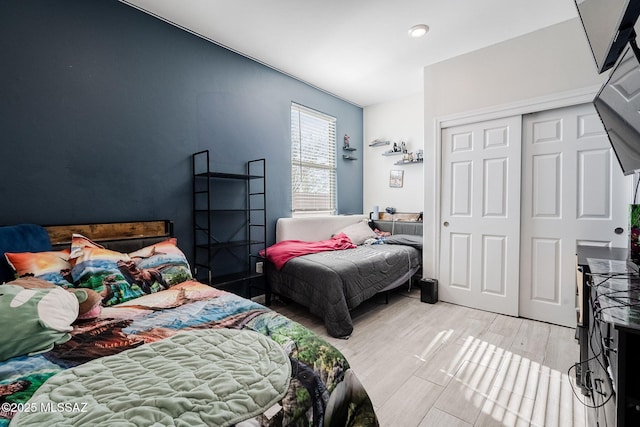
(88, 299)
(358, 232)
(21, 238)
(165, 258)
(34, 320)
(52, 266)
(102, 270)
(120, 277)
(78, 243)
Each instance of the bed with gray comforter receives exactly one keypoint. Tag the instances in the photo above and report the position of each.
(332, 283)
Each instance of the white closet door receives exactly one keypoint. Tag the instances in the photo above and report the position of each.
(480, 214)
(573, 193)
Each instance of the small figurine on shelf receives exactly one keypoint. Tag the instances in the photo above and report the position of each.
(346, 141)
(419, 155)
(395, 147)
(404, 147)
(391, 151)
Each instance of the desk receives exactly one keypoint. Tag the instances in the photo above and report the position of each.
(610, 336)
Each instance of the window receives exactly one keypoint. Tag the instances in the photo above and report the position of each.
(313, 161)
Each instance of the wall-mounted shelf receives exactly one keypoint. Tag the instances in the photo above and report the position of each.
(378, 143)
(349, 156)
(392, 153)
(408, 162)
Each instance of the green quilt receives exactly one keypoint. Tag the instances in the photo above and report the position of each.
(214, 377)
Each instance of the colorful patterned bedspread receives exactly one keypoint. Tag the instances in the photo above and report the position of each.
(323, 389)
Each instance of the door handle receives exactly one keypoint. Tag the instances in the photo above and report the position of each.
(446, 223)
(618, 230)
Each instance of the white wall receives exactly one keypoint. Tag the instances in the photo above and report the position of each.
(540, 64)
(396, 121)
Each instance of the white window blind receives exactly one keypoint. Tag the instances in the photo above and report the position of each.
(313, 161)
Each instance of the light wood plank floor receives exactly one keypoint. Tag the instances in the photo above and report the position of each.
(447, 365)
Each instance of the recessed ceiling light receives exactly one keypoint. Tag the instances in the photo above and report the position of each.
(418, 30)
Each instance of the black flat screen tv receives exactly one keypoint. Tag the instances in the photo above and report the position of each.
(618, 105)
(608, 25)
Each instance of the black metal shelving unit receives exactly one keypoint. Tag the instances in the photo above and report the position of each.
(229, 235)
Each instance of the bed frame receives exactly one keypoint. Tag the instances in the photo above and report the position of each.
(120, 236)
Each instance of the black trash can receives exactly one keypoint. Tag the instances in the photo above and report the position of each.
(429, 291)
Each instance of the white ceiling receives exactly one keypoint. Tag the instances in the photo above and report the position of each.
(358, 50)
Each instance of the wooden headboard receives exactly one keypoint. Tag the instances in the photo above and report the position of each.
(113, 235)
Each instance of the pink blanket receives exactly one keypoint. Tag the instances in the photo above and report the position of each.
(282, 252)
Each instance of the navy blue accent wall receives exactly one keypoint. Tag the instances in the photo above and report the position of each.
(101, 107)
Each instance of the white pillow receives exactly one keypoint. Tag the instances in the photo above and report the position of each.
(358, 232)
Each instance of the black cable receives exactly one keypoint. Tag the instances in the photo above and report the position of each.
(586, 362)
(600, 362)
(612, 294)
(619, 300)
(596, 309)
(612, 307)
(618, 295)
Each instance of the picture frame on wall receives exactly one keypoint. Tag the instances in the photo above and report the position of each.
(395, 178)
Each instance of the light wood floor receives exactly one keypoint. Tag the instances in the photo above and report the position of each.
(447, 365)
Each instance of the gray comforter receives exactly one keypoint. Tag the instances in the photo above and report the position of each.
(332, 283)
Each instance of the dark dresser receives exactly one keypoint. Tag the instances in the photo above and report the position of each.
(608, 373)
